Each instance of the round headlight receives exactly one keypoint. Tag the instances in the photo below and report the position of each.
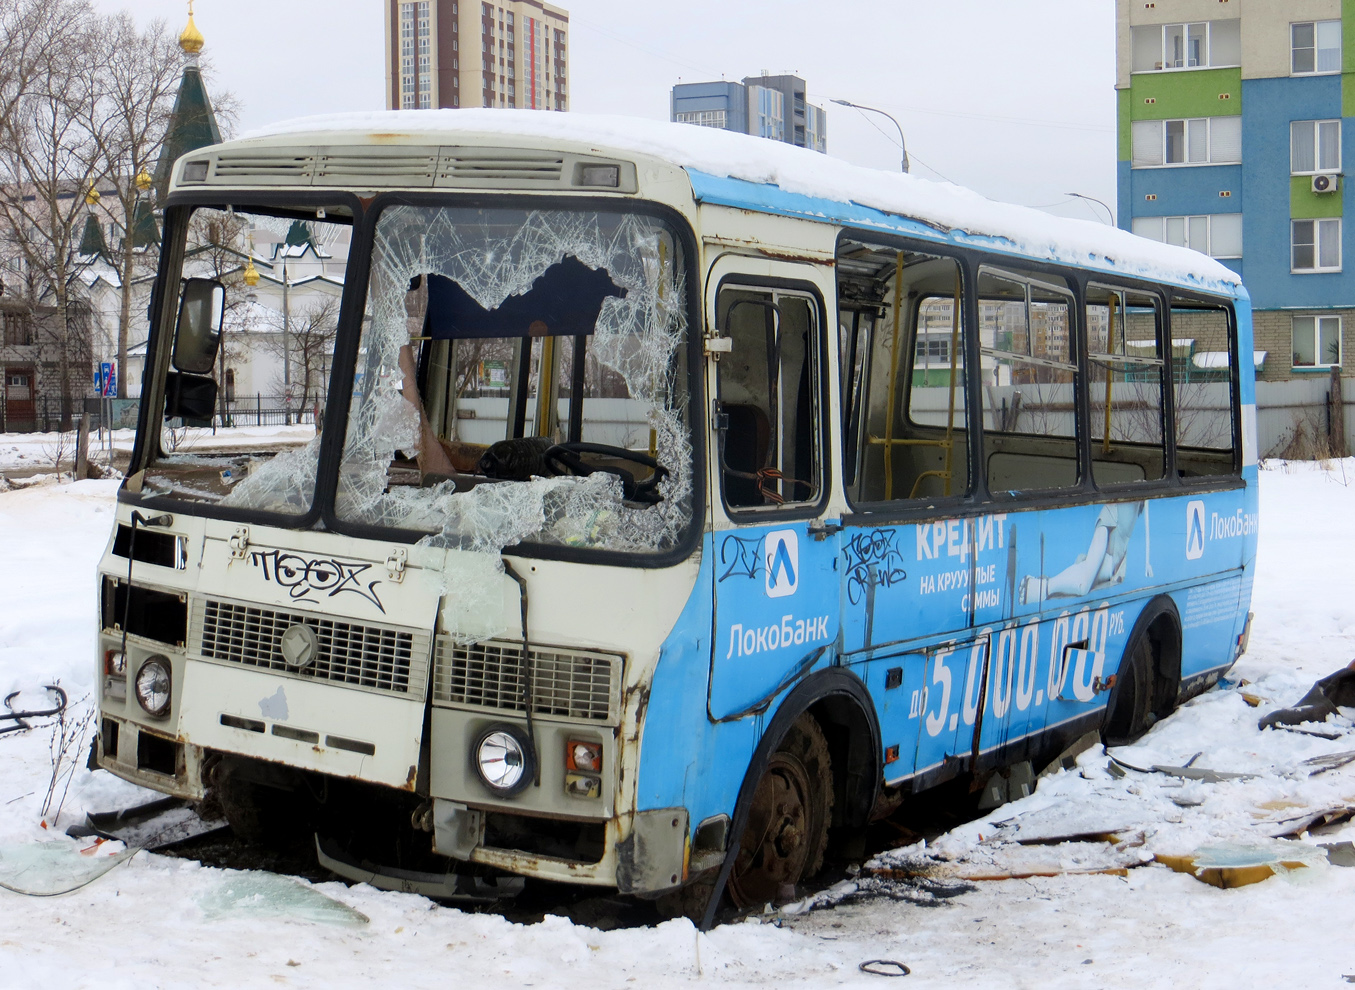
(153, 685)
(503, 758)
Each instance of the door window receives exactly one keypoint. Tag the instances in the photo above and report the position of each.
(767, 423)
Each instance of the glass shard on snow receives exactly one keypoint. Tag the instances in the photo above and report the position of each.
(267, 895)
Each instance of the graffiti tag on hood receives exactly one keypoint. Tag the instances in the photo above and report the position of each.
(307, 580)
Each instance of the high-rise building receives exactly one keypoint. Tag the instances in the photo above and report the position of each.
(1232, 122)
(765, 106)
(463, 53)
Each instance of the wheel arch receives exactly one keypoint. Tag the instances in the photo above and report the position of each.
(840, 702)
(1160, 622)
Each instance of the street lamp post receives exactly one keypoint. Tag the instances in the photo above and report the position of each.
(286, 341)
(1092, 199)
(903, 150)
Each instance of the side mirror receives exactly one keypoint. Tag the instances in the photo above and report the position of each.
(191, 398)
(202, 309)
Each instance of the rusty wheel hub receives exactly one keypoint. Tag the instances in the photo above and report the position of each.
(775, 847)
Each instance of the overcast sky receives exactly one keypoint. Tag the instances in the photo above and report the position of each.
(1013, 98)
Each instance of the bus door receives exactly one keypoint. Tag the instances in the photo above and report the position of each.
(776, 576)
(907, 611)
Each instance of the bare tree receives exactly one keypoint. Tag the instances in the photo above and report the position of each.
(32, 36)
(216, 249)
(49, 159)
(138, 72)
(308, 347)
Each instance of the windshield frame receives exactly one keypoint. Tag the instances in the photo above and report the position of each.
(366, 212)
(348, 340)
(164, 313)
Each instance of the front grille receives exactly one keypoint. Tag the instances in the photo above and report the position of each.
(566, 683)
(377, 657)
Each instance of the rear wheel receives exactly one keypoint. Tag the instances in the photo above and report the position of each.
(786, 834)
(1129, 713)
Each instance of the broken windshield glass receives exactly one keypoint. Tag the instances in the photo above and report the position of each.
(520, 378)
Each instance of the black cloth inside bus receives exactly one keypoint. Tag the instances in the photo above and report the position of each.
(565, 300)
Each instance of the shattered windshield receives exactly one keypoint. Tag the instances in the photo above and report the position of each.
(519, 377)
(245, 371)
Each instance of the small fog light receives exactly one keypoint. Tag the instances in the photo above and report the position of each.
(194, 172)
(115, 663)
(583, 756)
(502, 756)
(153, 686)
(582, 785)
(115, 688)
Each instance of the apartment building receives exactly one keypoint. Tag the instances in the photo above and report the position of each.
(463, 53)
(1232, 133)
(766, 106)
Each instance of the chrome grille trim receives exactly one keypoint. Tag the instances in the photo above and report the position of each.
(566, 683)
(381, 658)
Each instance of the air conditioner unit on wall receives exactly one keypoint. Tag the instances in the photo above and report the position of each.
(1327, 182)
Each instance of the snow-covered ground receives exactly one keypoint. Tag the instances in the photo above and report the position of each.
(164, 922)
(27, 452)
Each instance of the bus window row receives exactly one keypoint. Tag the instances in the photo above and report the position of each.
(1056, 356)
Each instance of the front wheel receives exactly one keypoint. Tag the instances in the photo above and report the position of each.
(786, 835)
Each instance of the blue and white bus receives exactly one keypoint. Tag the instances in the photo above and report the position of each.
(801, 488)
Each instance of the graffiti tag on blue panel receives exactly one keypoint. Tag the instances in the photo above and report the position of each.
(872, 561)
(740, 557)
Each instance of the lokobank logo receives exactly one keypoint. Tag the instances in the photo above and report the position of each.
(1194, 530)
(781, 555)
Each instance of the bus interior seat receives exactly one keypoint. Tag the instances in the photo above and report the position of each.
(1108, 472)
(1194, 462)
(1019, 472)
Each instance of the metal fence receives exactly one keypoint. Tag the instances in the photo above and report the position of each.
(49, 414)
(267, 410)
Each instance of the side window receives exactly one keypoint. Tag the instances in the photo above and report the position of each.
(1124, 353)
(905, 421)
(768, 418)
(1029, 381)
(1202, 384)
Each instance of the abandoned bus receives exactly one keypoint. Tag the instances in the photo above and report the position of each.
(678, 502)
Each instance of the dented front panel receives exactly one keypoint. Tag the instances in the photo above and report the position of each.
(348, 700)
